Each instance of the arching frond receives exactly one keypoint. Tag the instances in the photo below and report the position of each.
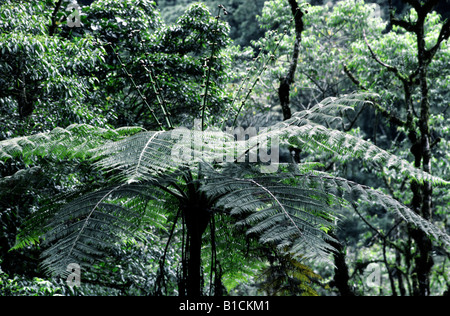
(306, 130)
(93, 226)
(329, 112)
(75, 141)
(295, 211)
(146, 155)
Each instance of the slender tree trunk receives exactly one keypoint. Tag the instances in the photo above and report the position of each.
(52, 27)
(25, 105)
(286, 82)
(398, 272)
(421, 145)
(424, 261)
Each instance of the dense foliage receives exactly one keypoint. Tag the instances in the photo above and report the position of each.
(115, 139)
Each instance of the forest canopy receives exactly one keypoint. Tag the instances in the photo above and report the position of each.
(224, 148)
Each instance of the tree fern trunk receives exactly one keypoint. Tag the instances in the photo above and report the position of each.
(197, 219)
(341, 275)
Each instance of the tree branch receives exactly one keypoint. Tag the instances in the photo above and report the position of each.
(52, 28)
(443, 36)
(410, 27)
(288, 80)
(352, 122)
(378, 60)
(385, 113)
(391, 117)
(353, 78)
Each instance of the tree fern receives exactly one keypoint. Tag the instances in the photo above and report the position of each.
(293, 209)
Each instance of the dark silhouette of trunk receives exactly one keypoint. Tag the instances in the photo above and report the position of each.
(398, 272)
(24, 101)
(286, 82)
(423, 260)
(52, 27)
(284, 95)
(341, 275)
(421, 145)
(197, 219)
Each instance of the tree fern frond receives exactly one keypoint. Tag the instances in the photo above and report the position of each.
(277, 216)
(148, 154)
(75, 141)
(314, 137)
(298, 217)
(329, 112)
(23, 177)
(357, 194)
(310, 130)
(93, 226)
